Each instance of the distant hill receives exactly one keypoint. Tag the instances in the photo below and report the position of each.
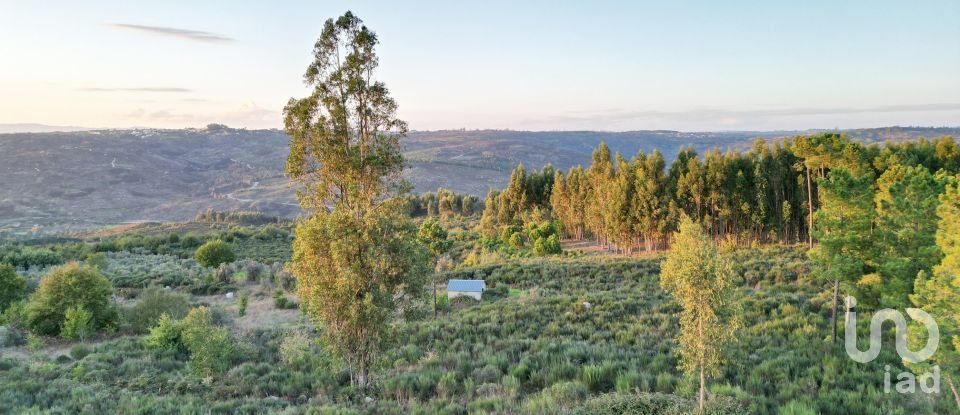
(83, 179)
(36, 128)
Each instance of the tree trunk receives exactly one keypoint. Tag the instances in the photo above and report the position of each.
(833, 317)
(703, 389)
(810, 217)
(435, 312)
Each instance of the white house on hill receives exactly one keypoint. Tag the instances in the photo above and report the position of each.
(469, 288)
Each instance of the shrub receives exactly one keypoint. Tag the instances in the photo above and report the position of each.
(79, 351)
(796, 408)
(295, 350)
(31, 257)
(547, 246)
(70, 286)
(77, 324)
(214, 253)
(223, 273)
(642, 404)
(12, 286)
(281, 301)
(153, 303)
(243, 300)
(141, 271)
(165, 335)
(97, 260)
(210, 347)
(10, 337)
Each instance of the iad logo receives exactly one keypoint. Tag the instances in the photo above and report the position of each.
(906, 381)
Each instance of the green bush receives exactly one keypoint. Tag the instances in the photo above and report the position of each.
(796, 408)
(210, 347)
(79, 351)
(282, 302)
(97, 260)
(242, 303)
(165, 335)
(69, 286)
(12, 286)
(152, 303)
(77, 324)
(214, 253)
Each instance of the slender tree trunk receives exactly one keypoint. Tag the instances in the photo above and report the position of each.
(833, 317)
(703, 389)
(435, 312)
(810, 218)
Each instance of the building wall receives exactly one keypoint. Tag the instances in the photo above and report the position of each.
(453, 294)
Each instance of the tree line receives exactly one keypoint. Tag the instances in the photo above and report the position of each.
(766, 194)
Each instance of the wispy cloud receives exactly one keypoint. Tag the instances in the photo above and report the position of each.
(185, 34)
(137, 89)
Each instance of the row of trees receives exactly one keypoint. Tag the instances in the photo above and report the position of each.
(766, 194)
(445, 204)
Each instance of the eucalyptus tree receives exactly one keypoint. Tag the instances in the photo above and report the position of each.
(701, 280)
(356, 257)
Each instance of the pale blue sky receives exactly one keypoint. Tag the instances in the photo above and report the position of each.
(685, 65)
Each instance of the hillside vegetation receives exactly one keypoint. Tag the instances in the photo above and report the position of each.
(118, 176)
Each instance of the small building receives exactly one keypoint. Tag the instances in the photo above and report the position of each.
(469, 288)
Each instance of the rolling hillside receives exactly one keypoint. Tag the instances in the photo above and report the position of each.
(82, 179)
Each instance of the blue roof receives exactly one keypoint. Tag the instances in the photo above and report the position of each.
(466, 285)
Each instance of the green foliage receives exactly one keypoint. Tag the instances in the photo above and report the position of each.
(152, 303)
(211, 348)
(701, 281)
(796, 408)
(281, 301)
(214, 253)
(12, 286)
(166, 335)
(242, 302)
(434, 236)
(79, 351)
(906, 229)
(132, 270)
(501, 354)
(654, 404)
(97, 260)
(65, 287)
(29, 257)
(77, 324)
(938, 292)
(336, 271)
(547, 245)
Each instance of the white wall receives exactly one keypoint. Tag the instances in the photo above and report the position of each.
(452, 294)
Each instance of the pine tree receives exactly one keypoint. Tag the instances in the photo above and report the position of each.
(938, 293)
(843, 228)
(906, 205)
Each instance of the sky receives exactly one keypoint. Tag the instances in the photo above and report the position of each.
(539, 65)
